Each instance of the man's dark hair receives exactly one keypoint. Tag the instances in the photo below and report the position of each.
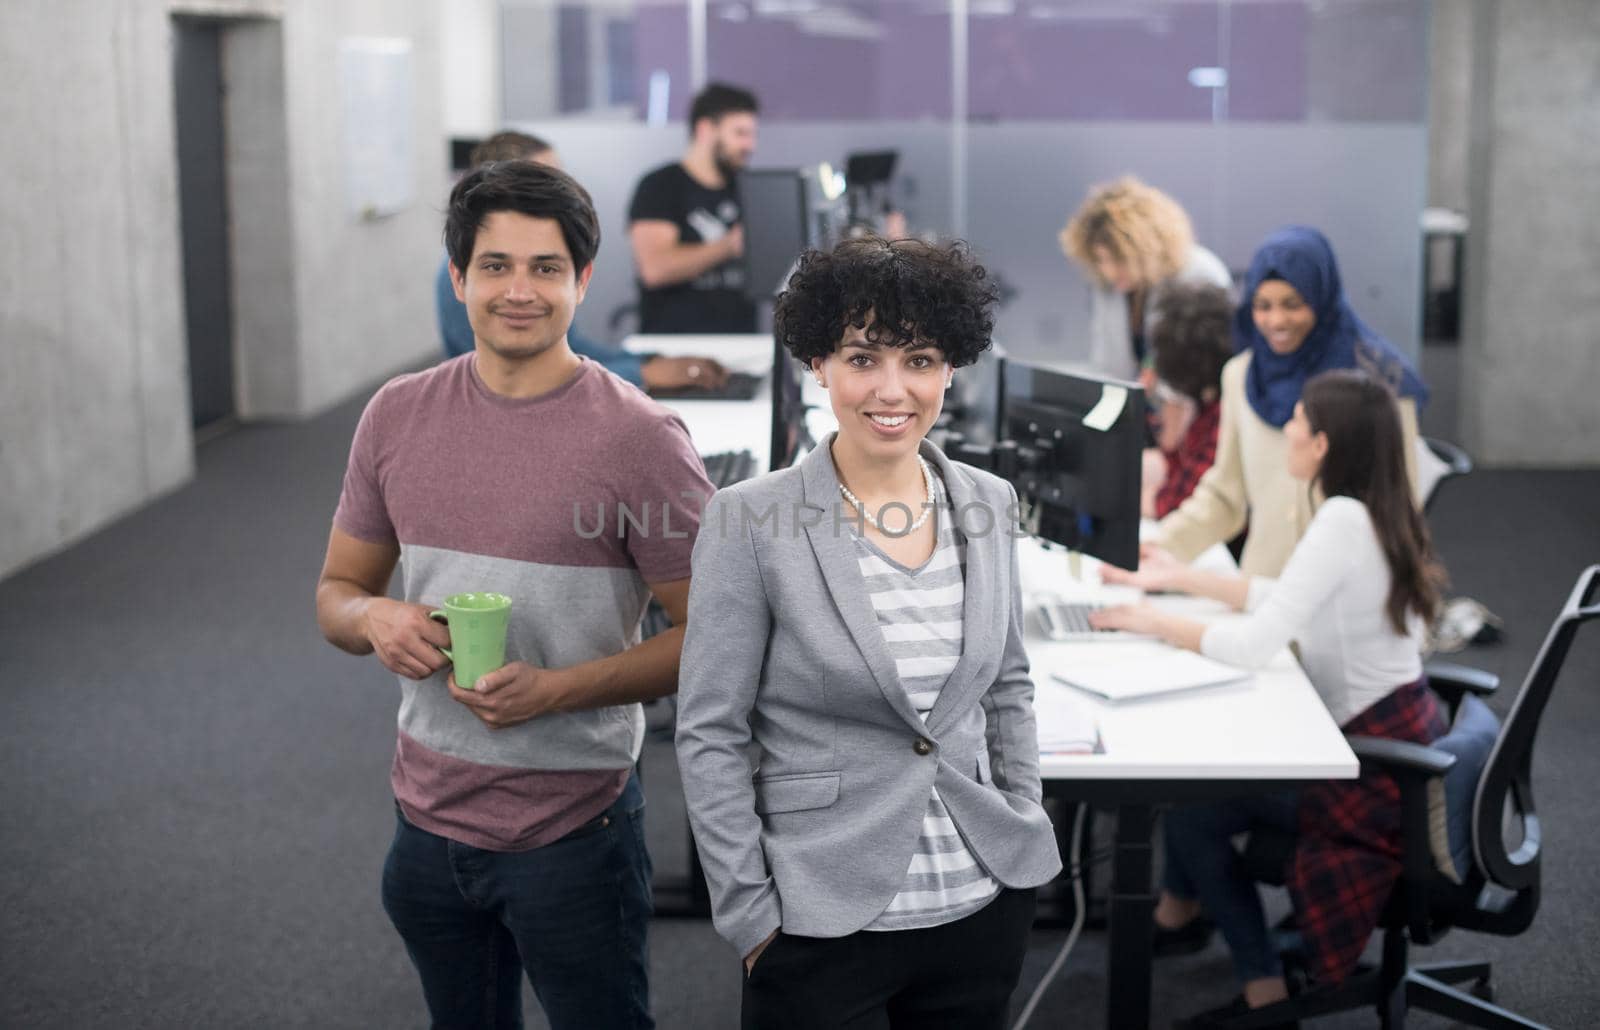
(1191, 335)
(915, 292)
(536, 190)
(507, 146)
(718, 99)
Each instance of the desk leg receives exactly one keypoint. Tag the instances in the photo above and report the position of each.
(1132, 906)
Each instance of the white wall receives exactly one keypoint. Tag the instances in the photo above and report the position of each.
(469, 45)
(94, 409)
(363, 289)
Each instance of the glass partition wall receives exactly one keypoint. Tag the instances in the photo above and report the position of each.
(1252, 113)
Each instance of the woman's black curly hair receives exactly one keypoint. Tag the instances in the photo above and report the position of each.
(915, 292)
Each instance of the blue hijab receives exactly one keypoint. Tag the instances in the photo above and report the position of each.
(1301, 257)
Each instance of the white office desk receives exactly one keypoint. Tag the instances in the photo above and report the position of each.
(717, 426)
(740, 352)
(1269, 732)
(1271, 727)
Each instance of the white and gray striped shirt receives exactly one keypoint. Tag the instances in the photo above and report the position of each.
(919, 611)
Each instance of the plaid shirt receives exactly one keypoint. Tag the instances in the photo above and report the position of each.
(1347, 858)
(1194, 454)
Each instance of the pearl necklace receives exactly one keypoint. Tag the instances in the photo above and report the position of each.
(917, 523)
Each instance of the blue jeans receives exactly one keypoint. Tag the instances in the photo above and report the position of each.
(573, 915)
(1202, 865)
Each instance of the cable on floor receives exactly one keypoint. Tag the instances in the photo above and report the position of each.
(1075, 871)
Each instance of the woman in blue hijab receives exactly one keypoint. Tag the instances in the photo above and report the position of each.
(1296, 263)
(1293, 321)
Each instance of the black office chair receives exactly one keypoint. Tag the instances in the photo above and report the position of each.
(1455, 462)
(1498, 892)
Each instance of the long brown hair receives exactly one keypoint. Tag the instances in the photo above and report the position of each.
(1366, 460)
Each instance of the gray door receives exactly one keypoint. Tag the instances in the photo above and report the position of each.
(203, 204)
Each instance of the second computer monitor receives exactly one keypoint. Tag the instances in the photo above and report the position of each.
(1071, 444)
(788, 408)
(773, 206)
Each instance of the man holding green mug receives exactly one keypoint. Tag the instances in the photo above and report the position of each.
(519, 838)
(477, 624)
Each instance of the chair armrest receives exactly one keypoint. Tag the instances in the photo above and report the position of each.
(1414, 767)
(1455, 457)
(1402, 759)
(1452, 682)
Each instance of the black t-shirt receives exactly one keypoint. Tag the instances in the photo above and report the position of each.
(714, 301)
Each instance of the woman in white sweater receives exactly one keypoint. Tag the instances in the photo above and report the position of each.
(1354, 596)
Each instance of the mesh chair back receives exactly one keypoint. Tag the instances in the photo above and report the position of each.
(1505, 823)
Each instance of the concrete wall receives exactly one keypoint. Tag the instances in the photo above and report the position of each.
(94, 401)
(1449, 101)
(362, 288)
(94, 408)
(1530, 378)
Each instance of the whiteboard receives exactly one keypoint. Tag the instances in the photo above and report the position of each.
(376, 86)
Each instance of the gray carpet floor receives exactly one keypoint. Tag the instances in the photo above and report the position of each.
(196, 798)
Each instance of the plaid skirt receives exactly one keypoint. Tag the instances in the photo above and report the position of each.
(1347, 857)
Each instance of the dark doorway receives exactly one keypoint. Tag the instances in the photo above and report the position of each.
(203, 205)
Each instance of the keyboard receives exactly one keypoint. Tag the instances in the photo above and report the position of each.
(740, 386)
(726, 468)
(1065, 620)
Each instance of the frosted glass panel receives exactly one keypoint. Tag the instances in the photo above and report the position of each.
(1253, 113)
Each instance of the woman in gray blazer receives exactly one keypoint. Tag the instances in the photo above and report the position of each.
(855, 717)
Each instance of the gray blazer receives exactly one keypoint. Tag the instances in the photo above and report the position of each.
(806, 769)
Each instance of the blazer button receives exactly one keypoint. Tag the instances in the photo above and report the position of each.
(922, 746)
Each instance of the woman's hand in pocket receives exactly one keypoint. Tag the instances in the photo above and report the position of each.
(750, 959)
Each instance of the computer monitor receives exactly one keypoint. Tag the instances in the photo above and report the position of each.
(773, 206)
(461, 148)
(1071, 444)
(867, 175)
(788, 409)
(870, 168)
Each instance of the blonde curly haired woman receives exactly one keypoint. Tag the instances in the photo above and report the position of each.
(1131, 239)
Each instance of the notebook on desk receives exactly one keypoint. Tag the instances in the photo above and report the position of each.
(1066, 724)
(1167, 671)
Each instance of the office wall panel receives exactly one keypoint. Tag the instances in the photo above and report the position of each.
(361, 286)
(610, 158)
(1530, 361)
(94, 404)
(1362, 184)
(94, 409)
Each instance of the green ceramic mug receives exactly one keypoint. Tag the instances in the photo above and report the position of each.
(477, 624)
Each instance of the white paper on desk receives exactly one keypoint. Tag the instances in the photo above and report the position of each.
(1066, 724)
